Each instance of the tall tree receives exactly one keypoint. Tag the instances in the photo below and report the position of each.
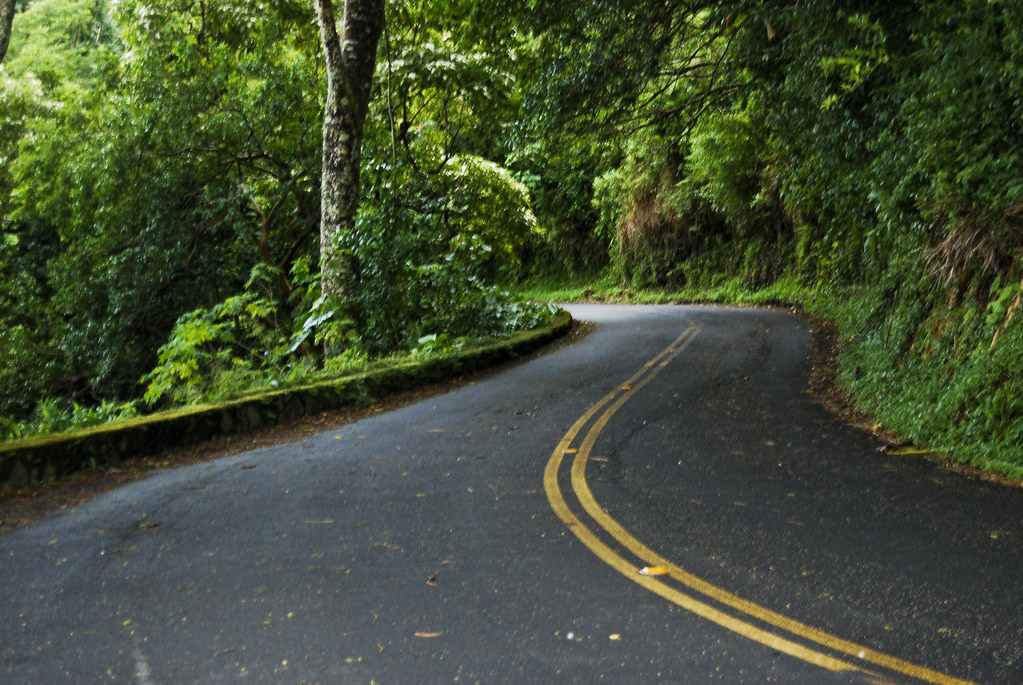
(350, 58)
(6, 20)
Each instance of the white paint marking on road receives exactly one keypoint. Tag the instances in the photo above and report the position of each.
(143, 672)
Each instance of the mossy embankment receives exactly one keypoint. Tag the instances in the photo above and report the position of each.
(53, 456)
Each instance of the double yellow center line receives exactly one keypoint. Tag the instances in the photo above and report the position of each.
(677, 585)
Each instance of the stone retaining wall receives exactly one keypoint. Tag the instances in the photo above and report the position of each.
(53, 456)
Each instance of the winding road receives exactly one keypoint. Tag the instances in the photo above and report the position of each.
(659, 502)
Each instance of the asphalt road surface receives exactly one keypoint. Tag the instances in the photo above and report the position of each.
(500, 534)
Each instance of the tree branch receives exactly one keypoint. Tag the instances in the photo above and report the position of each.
(6, 23)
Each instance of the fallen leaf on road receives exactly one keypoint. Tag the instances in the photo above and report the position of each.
(432, 580)
(422, 634)
(388, 546)
(653, 571)
(905, 451)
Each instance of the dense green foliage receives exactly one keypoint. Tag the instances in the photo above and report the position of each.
(868, 154)
(160, 203)
(158, 190)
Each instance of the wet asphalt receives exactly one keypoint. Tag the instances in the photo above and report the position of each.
(419, 546)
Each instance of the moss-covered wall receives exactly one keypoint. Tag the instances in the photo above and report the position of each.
(53, 456)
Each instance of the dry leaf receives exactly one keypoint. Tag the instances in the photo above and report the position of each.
(653, 571)
(422, 634)
(906, 451)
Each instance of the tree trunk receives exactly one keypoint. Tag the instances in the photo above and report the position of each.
(6, 21)
(350, 59)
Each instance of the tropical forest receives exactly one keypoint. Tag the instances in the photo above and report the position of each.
(202, 199)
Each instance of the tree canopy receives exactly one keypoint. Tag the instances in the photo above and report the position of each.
(205, 197)
(161, 194)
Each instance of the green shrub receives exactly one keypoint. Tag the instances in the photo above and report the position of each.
(56, 416)
(726, 163)
(247, 341)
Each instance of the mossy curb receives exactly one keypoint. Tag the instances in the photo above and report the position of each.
(53, 456)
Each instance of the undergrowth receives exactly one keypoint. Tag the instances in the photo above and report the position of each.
(208, 382)
(938, 369)
(934, 365)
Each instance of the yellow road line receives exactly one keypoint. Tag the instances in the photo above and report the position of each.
(702, 609)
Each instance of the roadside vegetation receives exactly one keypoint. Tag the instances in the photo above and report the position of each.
(860, 160)
(159, 193)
